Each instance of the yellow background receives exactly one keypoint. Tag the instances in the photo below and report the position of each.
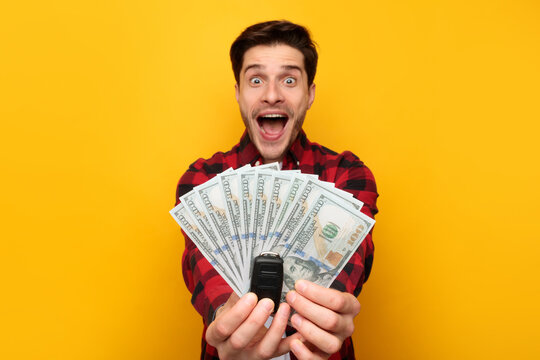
(104, 104)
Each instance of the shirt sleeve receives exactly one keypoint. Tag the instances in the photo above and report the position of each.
(355, 177)
(208, 289)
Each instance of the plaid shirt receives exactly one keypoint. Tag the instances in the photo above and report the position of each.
(209, 290)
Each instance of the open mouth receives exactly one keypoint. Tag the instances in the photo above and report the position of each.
(272, 124)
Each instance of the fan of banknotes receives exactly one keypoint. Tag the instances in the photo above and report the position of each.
(234, 217)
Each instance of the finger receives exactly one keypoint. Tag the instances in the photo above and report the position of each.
(270, 342)
(259, 335)
(231, 318)
(285, 344)
(231, 301)
(333, 299)
(326, 342)
(319, 315)
(243, 335)
(301, 351)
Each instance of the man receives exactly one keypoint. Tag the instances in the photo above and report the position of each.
(274, 64)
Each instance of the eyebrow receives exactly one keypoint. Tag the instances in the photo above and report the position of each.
(286, 67)
(292, 67)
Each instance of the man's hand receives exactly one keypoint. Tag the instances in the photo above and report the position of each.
(324, 319)
(238, 332)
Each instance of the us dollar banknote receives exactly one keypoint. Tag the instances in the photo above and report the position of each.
(213, 255)
(311, 189)
(197, 211)
(231, 197)
(326, 238)
(280, 186)
(263, 193)
(211, 196)
(238, 214)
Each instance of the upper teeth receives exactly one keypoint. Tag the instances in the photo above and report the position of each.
(273, 115)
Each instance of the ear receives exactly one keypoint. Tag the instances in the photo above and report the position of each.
(311, 95)
(236, 91)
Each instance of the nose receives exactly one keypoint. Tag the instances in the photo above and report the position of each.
(272, 93)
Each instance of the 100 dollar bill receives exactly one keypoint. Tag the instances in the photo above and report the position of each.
(305, 199)
(213, 255)
(326, 238)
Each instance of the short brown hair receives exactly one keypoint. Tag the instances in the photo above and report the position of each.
(273, 33)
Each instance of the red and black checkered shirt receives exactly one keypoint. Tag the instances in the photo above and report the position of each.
(207, 287)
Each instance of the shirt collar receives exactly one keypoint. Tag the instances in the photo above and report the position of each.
(248, 153)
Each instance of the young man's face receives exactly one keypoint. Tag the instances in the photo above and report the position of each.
(274, 96)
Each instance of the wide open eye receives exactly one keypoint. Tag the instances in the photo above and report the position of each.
(290, 81)
(255, 81)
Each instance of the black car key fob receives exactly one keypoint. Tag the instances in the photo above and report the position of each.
(267, 277)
